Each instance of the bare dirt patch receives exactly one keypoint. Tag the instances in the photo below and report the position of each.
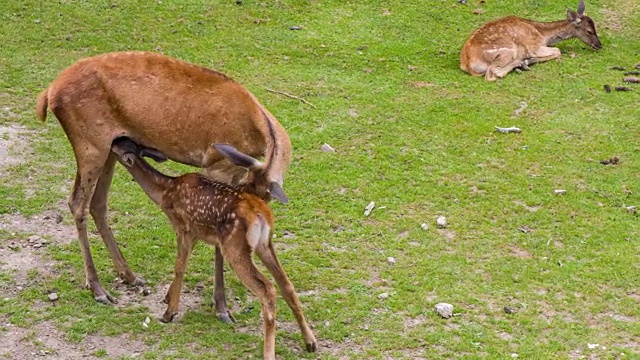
(12, 142)
(45, 341)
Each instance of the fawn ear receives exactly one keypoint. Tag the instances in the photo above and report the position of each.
(152, 153)
(277, 192)
(236, 157)
(128, 159)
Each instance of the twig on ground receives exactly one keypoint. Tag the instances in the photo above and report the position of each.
(512, 129)
(291, 96)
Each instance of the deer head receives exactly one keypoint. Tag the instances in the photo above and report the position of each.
(257, 180)
(585, 28)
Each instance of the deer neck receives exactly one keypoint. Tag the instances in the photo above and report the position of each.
(555, 31)
(153, 182)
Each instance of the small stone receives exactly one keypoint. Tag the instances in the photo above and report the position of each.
(632, 209)
(146, 322)
(369, 208)
(424, 226)
(441, 222)
(53, 297)
(37, 21)
(326, 323)
(559, 192)
(592, 346)
(445, 310)
(145, 292)
(327, 148)
(391, 260)
(296, 27)
(514, 355)
(383, 296)
(509, 310)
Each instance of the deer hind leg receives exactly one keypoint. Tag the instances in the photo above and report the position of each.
(90, 162)
(219, 299)
(268, 256)
(99, 210)
(238, 255)
(504, 61)
(185, 246)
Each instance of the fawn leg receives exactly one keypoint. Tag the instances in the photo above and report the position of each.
(239, 257)
(185, 246)
(268, 256)
(219, 299)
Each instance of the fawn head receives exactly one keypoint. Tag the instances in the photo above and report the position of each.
(127, 150)
(257, 180)
(585, 28)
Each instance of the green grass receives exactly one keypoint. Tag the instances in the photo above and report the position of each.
(417, 151)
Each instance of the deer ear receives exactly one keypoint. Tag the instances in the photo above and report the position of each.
(236, 157)
(581, 7)
(573, 17)
(277, 192)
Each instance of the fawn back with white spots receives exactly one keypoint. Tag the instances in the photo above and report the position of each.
(503, 45)
(164, 103)
(235, 219)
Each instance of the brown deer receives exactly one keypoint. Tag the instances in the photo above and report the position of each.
(503, 45)
(167, 104)
(235, 219)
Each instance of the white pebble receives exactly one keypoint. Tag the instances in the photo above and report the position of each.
(445, 310)
(441, 222)
(391, 260)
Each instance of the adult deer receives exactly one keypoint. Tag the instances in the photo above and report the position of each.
(167, 104)
(512, 42)
(235, 219)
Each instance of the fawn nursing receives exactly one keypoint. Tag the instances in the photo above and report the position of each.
(503, 45)
(235, 219)
(170, 105)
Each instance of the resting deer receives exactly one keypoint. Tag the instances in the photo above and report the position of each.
(505, 44)
(235, 219)
(173, 106)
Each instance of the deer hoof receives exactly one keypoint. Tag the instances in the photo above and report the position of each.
(226, 318)
(312, 346)
(106, 299)
(168, 317)
(138, 281)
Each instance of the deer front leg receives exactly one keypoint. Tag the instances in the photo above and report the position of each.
(89, 169)
(219, 299)
(544, 53)
(185, 245)
(268, 256)
(99, 212)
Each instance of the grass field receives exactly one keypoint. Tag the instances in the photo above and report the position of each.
(412, 133)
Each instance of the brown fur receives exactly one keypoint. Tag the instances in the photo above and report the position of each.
(512, 42)
(233, 219)
(167, 104)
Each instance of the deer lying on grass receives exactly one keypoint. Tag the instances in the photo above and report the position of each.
(235, 219)
(173, 106)
(505, 44)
